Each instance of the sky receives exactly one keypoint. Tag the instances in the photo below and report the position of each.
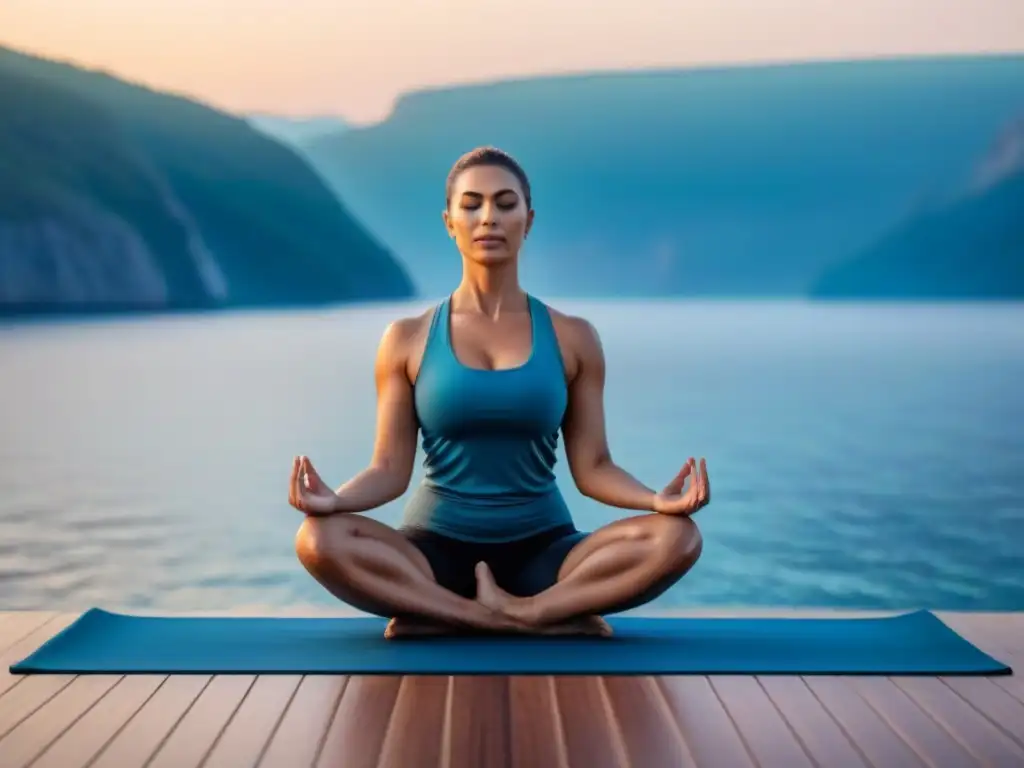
(352, 58)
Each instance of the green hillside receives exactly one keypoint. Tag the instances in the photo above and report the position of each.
(109, 191)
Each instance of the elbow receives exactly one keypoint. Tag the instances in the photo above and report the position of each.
(392, 480)
(587, 476)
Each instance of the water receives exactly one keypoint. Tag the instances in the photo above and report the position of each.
(860, 456)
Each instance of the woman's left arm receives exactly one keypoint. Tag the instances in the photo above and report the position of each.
(586, 443)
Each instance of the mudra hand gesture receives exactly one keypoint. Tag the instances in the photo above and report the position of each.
(307, 492)
(674, 501)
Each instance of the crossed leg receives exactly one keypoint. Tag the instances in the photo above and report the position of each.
(376, 569)
(618, 567)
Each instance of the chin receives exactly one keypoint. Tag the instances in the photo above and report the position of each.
(493, 258)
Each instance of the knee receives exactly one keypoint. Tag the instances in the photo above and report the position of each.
(320, 541)
(679, 543)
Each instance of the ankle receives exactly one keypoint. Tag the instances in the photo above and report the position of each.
(525, 610)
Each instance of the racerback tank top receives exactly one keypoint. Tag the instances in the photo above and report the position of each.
(489, 439)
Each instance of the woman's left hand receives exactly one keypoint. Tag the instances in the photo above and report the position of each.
(673, 500)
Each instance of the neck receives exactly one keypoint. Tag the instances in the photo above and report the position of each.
(489, 290)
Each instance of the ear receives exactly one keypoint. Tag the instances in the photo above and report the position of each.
(529, 223)
(448, 223)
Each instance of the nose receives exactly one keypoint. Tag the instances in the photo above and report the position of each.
(488, 213)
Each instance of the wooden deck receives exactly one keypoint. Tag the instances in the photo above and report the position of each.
(101, 721)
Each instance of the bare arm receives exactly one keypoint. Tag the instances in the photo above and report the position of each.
(394, 450)
(586, 444)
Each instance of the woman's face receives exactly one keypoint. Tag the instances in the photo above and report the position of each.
(487, 215)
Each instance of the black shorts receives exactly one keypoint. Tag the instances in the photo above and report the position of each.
(523, 567)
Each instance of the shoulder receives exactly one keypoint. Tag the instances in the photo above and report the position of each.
(406, 330)
(403, 339)
(579, 343)
(577, 331)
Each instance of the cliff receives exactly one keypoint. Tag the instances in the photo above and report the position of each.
(971, 247)
(735, 181)
(116, 197)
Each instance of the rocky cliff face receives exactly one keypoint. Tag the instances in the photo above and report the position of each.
(116, 197)
(80, 254)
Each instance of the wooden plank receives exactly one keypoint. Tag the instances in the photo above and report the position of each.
(819, 734)
(15, 626)
(87, 736)
(920, 732)
(37, 731)
(764, 730)
(710, 734)
(998, 635)
(998, 706)
(143, 734)
(535, 724)
(478, 723)
(22, 701)
(195, 734)
(244, 738)
(26, 645)
(356, 735)
(877, 741)
(649, 730)
(300, 734)
(418, 723)
(962, 721)
(592, 734)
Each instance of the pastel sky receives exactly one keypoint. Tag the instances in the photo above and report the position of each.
(353, 57)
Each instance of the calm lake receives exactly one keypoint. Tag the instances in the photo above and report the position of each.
(861, 456)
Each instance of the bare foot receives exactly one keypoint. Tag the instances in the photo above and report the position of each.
(401, 627)
(591, 626)
(488, 592)
(494, 597)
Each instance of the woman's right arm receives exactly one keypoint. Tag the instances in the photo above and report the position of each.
(394, 450)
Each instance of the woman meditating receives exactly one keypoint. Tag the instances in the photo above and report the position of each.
(490, 376)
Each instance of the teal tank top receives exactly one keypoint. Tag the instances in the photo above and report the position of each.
(489, 439)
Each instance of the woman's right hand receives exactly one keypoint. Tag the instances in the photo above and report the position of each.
(307, 492)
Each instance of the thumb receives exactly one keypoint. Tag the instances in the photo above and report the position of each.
(315, 481)
(677, 483)
(307, 468)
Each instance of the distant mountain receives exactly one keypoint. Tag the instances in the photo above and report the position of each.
(1004, 159)
(116, 197)
(970, 248)
(742, 181)
(297, 131)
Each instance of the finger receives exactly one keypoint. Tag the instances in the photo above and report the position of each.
(675, 486)
(292, 482)
(707, 481)
(677, 483)
(302, 487)
(314, 477)
(699, 475)
(308, 476)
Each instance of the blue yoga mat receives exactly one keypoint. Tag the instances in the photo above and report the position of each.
(916, 643)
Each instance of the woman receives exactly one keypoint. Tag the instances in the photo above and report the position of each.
(489, 376)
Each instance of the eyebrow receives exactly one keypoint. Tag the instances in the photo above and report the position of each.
(499, 193)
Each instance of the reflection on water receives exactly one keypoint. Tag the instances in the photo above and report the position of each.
(862, 456)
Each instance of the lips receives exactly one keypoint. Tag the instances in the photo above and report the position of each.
(490, 239)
